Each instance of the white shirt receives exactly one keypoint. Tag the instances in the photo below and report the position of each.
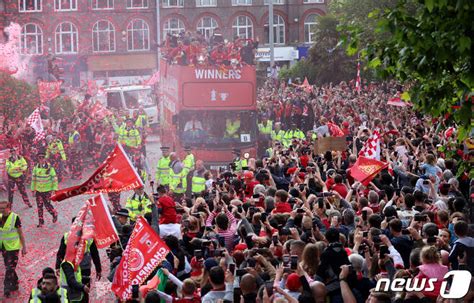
(193, 125)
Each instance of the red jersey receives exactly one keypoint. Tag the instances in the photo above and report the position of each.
(168, 210)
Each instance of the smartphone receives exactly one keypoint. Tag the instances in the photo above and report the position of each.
(301, 187)
(383, 251)
(300, 211)
(365, 234)
(240, 209)
(251, 262)
(275, 240)
(256, 196)
(240, 272)
(263, 217)
(135, 294)
(232, 268)
(293, 262)
(419, 218)
(364, 215)
(186, 223)
(320, 203)
(269, 288)
(405, 231)
(198, 254)
(286, 260)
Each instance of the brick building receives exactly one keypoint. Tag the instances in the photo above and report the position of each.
(117, 39)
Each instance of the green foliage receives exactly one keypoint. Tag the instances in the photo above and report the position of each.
(428, 46)
(301, 69)
(17, 98)
(331, 62)
(61, 107)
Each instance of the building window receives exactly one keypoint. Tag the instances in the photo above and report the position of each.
(103, 36)
(65, 5)
(310, 24)
(31, 39)
(138, 35)
(278, 30)
(275, 2)
(66, 38)
(241, 2)
(206, 26)
(243, 27)
(173, 3)
(137, 3)
(204, 3)
(313, 1)
(173, 26)
(29, 5)
(103, 4)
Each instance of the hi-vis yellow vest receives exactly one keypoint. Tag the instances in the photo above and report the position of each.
(9, 236)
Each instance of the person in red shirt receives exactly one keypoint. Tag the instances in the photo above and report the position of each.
(339, 186)
(166, 206)
(250, 183)
(282, 206)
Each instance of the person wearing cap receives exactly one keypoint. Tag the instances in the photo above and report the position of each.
(55, 152)
(198, 182)
(239, 161)
(12, 241)
(138, 204)
(129, 135)
(178, 174)
(162, 175)
(188, 161)
(120, 219)
(73, 152)
(265, 127)
(16, 167)
(44, 183)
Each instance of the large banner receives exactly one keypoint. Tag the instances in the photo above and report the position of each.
(145, 251)
(81, 230)
(105, 232)
(116, 174)
(325, 144)
(4, 154)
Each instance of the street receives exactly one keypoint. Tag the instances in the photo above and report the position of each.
(43, 243)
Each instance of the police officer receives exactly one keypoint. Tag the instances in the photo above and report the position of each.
(198, 182)
(73, 152)
(188, 161)
(43, 184)
(178, 182)
(11, 242)
(239, 161)
(129, 136)
(16, 167)
(293, 133)
(278, 134)
(138, 204)
(265, 128)
(91, 253)
(48, 291)
(232, 127)
(163, 168)
(55, 152)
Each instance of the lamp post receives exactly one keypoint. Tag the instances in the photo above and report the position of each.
(158, 32)
(270, 33)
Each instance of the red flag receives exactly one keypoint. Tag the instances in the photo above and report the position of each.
(153, 79)
(371, 148)
(98, 111)
(116, 174)
(335, 130)
(306, 86)
(49, 90)
(145, 251)
(81, 229)
(365, 169)
(105, 232)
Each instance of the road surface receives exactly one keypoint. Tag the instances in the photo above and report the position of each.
(43, 243)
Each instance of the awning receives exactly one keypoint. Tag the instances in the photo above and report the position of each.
(121, 62)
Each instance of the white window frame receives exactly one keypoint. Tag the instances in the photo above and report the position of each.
(38, 37)
(38, 4)
(206, 3)
(58, 6)
(131, 31)
(277, 28)
(96, 34)
(241, 2)
(167, 29)
(207, 31)
(58, 38)
(275, 2)
(247, 27)
(312, 1)
(173, 3)
(110, 5)
(308, 33)
(144, 4)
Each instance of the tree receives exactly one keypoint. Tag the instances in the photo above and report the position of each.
(427, 46)
(302, 69)
(17, 98)
(331, 62)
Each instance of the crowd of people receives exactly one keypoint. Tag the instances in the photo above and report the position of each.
(289, 225)
(193, 48)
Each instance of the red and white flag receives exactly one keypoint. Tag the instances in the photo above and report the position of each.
(371, 148)
(105, 232)
(155, 78)
(34, 120)
(365, 169)
(116, 174)
(49, 90)
(99, 111)
(358, 84)
(81, 230)
(145, 251)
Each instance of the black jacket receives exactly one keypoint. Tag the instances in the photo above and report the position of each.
(94, 255)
